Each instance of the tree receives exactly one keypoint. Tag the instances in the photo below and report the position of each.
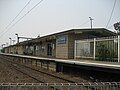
(117, 27)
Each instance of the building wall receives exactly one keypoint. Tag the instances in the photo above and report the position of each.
(71, 40)
(42, 48)
(43, 51)
(66, 50)
(54, 48)
(62, 45)
(12, 49)
(7, 50)
(20, 49)
(62, 48)
(38, 49)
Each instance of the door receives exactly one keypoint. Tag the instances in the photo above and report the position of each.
(49, 49)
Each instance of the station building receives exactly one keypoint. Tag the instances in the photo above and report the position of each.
(58, 45)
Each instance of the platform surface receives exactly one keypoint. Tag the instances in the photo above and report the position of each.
(102, 64)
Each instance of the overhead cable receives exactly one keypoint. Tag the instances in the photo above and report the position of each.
(84, 23)
(22, 17)
(16, 16)
(111, 13)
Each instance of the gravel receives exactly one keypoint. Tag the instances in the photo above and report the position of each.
(10, 75)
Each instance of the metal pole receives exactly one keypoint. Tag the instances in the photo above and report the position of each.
(94, 48)
(17, 38)
(75, 50)
(118, 49)
(10, 40)
(91, 21)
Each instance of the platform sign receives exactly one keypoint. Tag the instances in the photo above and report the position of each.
(61, 39)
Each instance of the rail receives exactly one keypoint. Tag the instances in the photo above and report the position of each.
(20, 67)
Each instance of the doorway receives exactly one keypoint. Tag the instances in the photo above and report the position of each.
(49, 49)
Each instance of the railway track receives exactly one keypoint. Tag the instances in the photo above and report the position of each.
(40, 76)
(14, 67)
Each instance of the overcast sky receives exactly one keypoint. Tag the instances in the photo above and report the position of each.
(53, 16)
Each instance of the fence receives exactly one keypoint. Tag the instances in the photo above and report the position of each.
(61, 86)
(104, 49)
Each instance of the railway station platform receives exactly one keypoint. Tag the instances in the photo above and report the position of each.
(92, 63)
(96, 70)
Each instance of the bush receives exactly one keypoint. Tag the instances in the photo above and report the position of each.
(104, 53)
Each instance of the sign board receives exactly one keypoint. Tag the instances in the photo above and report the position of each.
(61, 39)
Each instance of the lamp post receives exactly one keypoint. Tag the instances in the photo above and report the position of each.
(91, 19)
(17, 38)
(10, 40)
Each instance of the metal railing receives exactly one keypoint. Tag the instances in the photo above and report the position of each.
(103, 49)
(61, 86)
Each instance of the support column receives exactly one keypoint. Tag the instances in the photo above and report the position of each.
(94, 48)
(75, 49)
(118, 49)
